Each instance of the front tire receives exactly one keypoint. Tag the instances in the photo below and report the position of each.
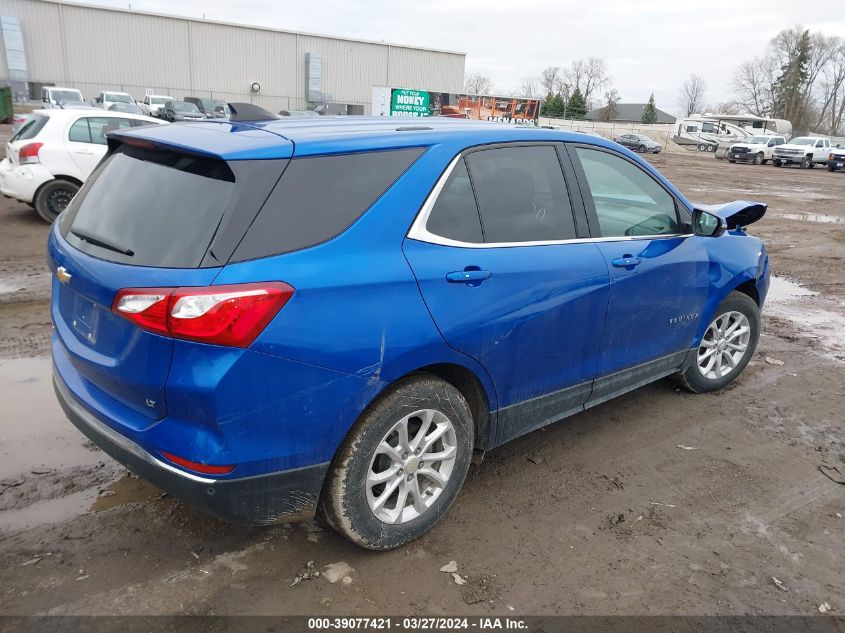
(727, 346)
(51, 199)
(758, 159)
(807, 163)
(401, 466)
(777, 163)
(641, 149)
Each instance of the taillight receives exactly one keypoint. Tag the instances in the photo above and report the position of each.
(28, 154)
(232, 315)
(206, 469)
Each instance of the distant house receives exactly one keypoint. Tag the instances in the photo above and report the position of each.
(627, 113)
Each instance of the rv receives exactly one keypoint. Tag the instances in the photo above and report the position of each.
(717, 132)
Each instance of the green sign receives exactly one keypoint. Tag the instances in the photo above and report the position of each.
(409, 102)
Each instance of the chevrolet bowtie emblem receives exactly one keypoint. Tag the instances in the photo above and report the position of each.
(63, 275)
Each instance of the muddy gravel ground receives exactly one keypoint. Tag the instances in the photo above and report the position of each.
(659, 502)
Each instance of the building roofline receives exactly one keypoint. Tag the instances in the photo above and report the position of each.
(242, 25)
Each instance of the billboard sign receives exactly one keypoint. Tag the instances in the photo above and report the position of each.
(421, 103)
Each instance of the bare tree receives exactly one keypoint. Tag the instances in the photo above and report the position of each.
(832, 91)
(692, 95)
(530, 87)
(608, 111)
(550, 80)
(478, 84)
(588, 75)
(752, 84)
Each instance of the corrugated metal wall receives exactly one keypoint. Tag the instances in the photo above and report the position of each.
(96, 49)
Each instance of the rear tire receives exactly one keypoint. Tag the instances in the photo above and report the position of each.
(53, 198)
(378, 458)
(727, 346)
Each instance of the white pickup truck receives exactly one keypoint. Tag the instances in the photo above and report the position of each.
(757, 149)
(153, 105)
(807, 151)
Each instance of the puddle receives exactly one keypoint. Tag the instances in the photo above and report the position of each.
(816, 317)
(7, 287)
(126, 490)
(48, 511)
(811, 217)
(34, 432)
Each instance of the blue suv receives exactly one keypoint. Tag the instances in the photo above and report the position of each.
(275, 319)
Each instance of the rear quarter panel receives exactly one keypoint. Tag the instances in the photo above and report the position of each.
(356, 307)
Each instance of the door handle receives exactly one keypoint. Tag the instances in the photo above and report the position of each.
(626, 261)
(471, 276)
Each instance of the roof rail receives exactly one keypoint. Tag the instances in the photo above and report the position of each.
(249, 112)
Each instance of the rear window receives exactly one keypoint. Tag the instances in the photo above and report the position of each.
(319, 197)
(150, 208)
(31, 127)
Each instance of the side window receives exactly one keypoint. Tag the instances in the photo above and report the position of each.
(100, 126)
(628, 201)
(319, 197)
(521, 194)
(79, 132)
(455, 214)
(819, 143)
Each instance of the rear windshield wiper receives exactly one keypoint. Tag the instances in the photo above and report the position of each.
(101, 242)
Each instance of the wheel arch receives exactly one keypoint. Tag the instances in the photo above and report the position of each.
(473, 390)
(71, 179)
(744, 282)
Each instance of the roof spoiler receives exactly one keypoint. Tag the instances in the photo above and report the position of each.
(249, 112)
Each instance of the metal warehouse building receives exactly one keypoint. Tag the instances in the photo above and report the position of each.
(47, 42)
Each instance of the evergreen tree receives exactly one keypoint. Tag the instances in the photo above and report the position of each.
(788, 90)
(649, 111)
(577, 106)
(546, 105)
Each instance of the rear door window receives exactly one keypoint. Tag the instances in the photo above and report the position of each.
(319, 197)
(522, 195)
(94, 129)
(150, 208)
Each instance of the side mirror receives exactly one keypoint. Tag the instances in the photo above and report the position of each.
(707, 224)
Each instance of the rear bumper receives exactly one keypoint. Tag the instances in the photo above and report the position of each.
(278, 497)
(22, 181)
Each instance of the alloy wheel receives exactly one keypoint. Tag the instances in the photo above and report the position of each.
(724, 345)
(411, 466)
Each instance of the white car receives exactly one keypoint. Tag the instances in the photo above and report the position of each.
(807, 151)
(758, 149)
(55, 151)
(57, 97)
(154, 104)
(106, 99)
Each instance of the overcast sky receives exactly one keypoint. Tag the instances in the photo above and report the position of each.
(649, 45)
